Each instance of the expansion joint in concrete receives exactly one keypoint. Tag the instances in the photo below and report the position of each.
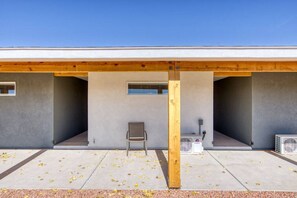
(94, 169)
(228, 171)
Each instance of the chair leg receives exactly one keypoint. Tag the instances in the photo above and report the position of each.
(145, 148)
(127, 147)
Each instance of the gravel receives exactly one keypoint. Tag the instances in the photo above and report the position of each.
(138, 193)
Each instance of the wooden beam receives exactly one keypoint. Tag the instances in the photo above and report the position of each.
(238, 66)
(174, 129)
(215, 66)
(234, 74)
(66, 74)
(83, 66)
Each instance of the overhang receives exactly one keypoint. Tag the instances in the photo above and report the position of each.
(150, 54)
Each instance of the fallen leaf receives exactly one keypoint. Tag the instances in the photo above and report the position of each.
(5, 156)
(114, 180)
(195, 193)
(147, 193)
(41, 164)
(72, 179)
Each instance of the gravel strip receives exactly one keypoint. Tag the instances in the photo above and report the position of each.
(138, 193)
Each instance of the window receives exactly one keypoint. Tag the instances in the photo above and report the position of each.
(147, 88)
(7, 89)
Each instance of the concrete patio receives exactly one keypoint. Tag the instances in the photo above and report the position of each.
(100, 169)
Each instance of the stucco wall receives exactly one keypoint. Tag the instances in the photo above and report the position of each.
(233, 108)
(26, 120)
(70, 107)
(110, 108)
(274, 107)
(197, 103)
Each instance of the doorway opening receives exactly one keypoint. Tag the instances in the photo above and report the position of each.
(232, 113)
(70, 113)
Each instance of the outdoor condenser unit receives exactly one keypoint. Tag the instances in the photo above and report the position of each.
(191, 144)
(286, 144)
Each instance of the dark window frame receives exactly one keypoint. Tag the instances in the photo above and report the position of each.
(5, 87)
(147, 88)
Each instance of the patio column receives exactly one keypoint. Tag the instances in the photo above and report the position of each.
(174, 128)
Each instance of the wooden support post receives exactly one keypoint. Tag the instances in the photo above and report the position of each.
(174, 129)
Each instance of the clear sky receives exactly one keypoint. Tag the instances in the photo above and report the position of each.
(95, 23)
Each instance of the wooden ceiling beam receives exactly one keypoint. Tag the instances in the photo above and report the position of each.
(69, 74)
(83, 66)
(219, 66)
(232, 74)
(238, 66)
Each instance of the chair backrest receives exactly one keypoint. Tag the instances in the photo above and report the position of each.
(136, 129)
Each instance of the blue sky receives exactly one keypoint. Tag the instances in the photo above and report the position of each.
(94, 23)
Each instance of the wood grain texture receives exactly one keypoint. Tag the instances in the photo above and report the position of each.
(232, 74)
(215, 66)
(174, 129)
(68, 74)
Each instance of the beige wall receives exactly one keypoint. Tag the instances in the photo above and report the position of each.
(110, 108)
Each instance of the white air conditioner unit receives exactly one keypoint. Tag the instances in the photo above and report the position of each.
(286, 144)
(191, 144)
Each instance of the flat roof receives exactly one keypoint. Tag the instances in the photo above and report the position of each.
(288, 53)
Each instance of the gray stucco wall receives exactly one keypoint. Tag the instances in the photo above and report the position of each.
(70, 107)
(233, 108)
(26, 120)
(274, 107)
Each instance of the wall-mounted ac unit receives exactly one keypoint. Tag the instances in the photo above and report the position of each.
(191, 144)
(286, 144)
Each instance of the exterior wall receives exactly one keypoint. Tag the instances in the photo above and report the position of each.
(197, 103)
(26, 120)
(110, 108)
(233, 108)
(274, 107)
(70, 107)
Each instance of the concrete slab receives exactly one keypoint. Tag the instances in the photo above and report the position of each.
(9, 157)
(137, 171)
(259, 170)
(97, 169)
(80, 140)
(291, 157)
(55, 169)
(222, 142)
(203, 172)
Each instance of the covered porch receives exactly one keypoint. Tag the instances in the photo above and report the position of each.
(171, 63)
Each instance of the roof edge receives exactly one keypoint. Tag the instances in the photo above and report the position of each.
(149, 48)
